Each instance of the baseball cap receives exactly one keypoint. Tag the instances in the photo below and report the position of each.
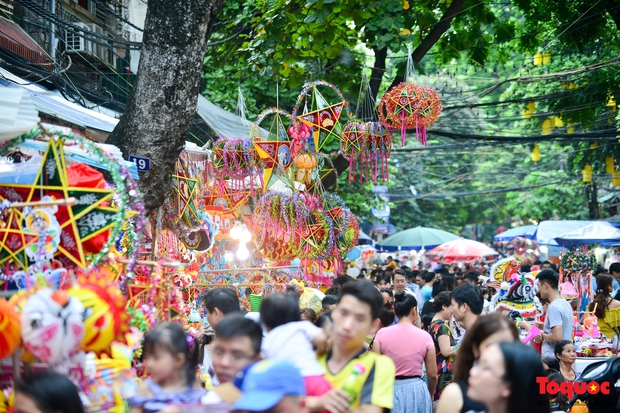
(266, 383)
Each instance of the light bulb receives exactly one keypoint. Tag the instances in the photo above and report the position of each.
(242, 252)
(246, 235)
(235, 231)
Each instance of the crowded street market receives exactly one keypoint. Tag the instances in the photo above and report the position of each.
(419, 246)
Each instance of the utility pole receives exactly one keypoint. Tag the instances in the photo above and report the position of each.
(52, 50)
(592, 200)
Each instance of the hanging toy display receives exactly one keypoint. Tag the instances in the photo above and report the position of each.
(354, 147)
(408, 106)
(379, 150)
(75, 234)
(345, 225)
(576, 268)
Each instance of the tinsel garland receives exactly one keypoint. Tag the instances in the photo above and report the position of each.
(254, 129)
(308, 86)
(578, 261)
(234, 158)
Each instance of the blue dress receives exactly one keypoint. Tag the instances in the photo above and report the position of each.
(161, 399)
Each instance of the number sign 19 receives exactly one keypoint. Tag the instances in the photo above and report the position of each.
(143, 164)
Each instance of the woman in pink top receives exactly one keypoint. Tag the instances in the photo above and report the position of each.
(409, 347)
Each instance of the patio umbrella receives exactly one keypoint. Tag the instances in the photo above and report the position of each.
(525, 231)
(415, 239)
(462, 250)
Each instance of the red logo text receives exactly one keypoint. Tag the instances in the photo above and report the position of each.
(569, 389)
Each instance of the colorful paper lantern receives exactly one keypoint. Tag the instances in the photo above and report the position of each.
(105, 318)
(9, 329)
(234, 158)
(379, 150)
(354, 145)
(408, 106)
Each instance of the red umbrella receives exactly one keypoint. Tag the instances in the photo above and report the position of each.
(462, 250)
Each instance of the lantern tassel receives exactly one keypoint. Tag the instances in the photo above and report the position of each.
(402, 127)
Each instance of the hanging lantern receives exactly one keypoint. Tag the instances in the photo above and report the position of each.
(305, 162)
(353, 146)
(408, 106)
(546, 58)
(557, 122)
(570, 129)
(536, 153)
(611, 103)
(587, 173)
(615, 178)
(234, 158)
(609, 165)
(547, 127)
(538, 59)
(379, 150)
(529, 110)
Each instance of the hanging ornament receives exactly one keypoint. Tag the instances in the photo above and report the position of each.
(609, 165)
(408, 106)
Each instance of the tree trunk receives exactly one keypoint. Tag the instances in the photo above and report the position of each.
(433, 37)
(376, 76)
(163, 101)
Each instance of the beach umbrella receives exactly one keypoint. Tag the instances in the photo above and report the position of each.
(462, 250)
(415, 239)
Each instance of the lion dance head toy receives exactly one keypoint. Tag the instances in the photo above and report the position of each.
(105, 318)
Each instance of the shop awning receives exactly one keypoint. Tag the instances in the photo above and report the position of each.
(225, 124)
(16, 40)
(598, 232)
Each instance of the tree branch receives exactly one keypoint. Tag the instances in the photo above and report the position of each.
(376, 76)
(433, 37)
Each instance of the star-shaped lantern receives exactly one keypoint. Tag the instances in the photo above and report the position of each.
(184, 191)
(79, 223)
(323, 119)
(275, 151)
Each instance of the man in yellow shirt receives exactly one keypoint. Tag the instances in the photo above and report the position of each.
(363, 381)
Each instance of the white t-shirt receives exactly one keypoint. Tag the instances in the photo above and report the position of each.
(292, 342)
(559, 313)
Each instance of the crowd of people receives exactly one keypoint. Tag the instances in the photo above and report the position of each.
(395, 339)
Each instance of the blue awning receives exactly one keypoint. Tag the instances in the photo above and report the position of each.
(525, 231)
(599, 232)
